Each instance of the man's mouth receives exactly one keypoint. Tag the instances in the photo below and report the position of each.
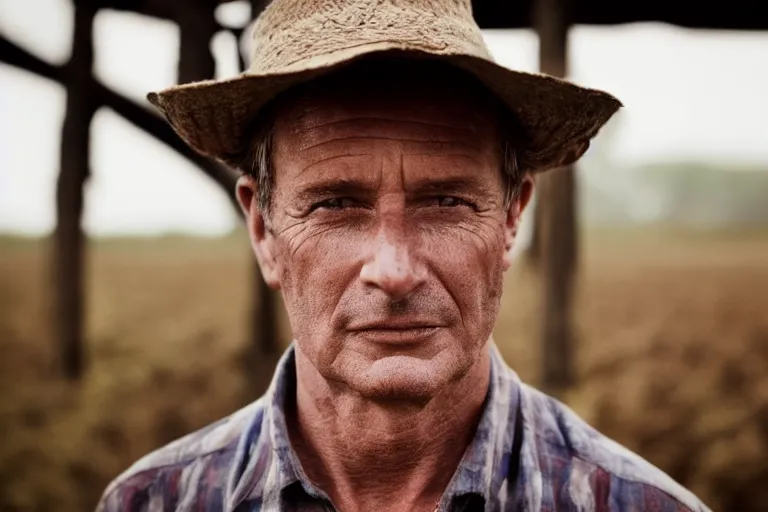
(396, 331)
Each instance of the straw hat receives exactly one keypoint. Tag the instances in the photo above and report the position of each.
(295, 41)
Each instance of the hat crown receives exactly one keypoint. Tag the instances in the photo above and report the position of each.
(300, 34)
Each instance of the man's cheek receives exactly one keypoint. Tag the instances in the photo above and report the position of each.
(316, 280)
(475, 274)
(470, 257)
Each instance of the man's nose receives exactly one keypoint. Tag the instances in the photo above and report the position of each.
(391, 265)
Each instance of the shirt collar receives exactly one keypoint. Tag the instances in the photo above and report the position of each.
(289, 468)
(483, 469)
(271, 464)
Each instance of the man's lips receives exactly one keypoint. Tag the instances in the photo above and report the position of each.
(396, 332)
(394, 325)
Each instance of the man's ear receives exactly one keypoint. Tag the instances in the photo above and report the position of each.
(262, 240)
(514, 213)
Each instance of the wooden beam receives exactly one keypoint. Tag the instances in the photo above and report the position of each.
(68, 240)
(84, 96)
(142, 118)
(494, 14)
(162, 9)
(154, 125)
(734, 15)
(556, 214)
(13, 55)
(197, 26)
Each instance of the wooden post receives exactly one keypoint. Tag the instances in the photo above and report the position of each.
(197, 26)
(557, 220)
(68, 241)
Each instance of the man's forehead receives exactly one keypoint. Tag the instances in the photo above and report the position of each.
(322, 125)
(317, 127)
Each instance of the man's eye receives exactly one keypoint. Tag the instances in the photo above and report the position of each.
(337, 203)
(450, 201)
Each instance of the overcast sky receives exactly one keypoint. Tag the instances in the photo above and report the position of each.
(688, 95)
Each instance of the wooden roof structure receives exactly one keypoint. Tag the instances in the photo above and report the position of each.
(196, 20)
(733, 15)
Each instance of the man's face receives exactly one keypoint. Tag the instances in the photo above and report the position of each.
(387, 234)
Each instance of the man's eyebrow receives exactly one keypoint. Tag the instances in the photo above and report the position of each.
(448, 185)
(335, 188)
(353, 138)
(469, 155)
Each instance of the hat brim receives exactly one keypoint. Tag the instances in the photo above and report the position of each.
(558, 118)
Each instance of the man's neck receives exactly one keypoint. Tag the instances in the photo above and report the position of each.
(374, 455)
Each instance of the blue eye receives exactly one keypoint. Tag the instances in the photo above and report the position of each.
(336, 203)
(450, 201)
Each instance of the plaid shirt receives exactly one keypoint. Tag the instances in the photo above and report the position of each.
(530, 453)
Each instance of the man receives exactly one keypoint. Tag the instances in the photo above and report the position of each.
(387, 161)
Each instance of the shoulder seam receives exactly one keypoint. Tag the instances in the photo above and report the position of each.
(119, 482)
(128, 474)
(578, 455)
(634, 481)
(692, 503)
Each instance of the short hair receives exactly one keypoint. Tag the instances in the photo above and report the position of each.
(258, 158)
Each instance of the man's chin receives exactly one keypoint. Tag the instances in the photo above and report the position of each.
(402, 378)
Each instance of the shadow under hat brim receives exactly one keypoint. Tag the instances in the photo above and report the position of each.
(557, 118)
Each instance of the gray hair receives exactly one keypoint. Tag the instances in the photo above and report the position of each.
(259, 162)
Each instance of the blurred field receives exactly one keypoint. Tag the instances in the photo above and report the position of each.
(672, 358)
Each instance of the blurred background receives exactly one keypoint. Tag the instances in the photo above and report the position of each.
(132, 313)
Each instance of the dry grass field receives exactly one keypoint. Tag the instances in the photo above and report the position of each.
(672, 358)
